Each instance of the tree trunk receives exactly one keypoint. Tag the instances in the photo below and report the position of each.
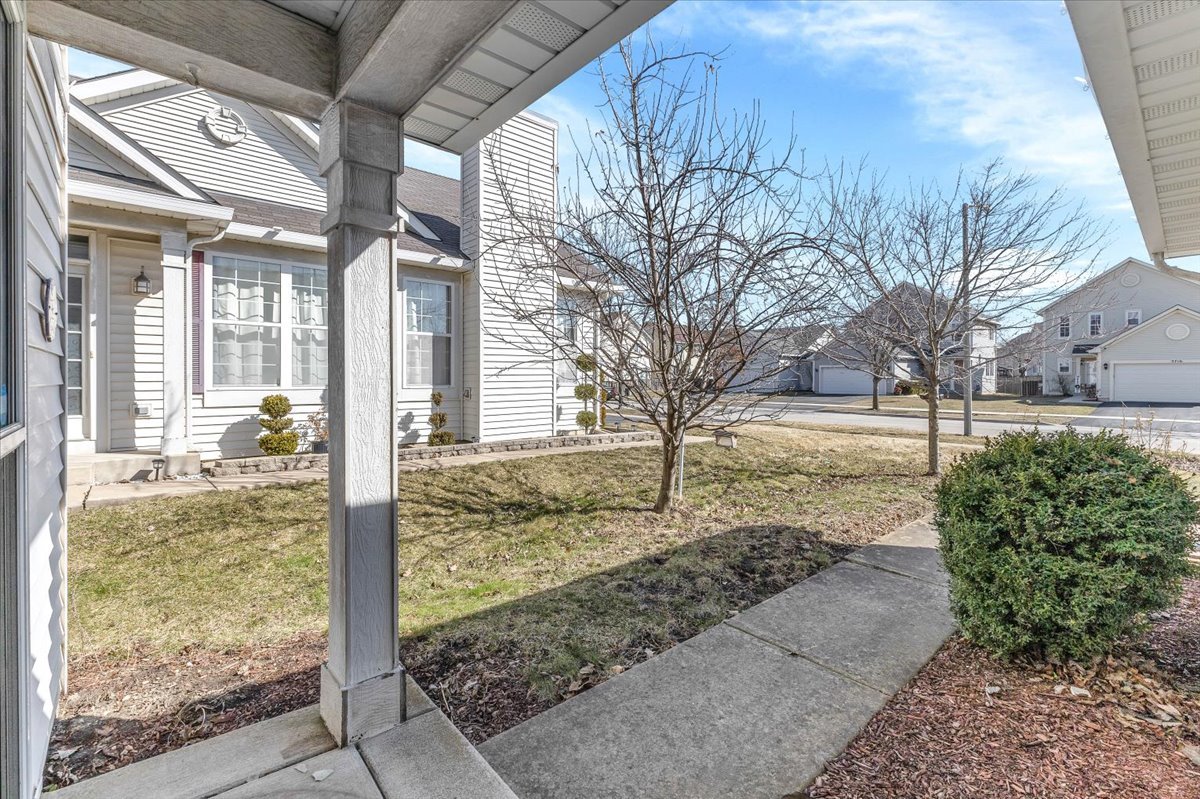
(935, 455)
(670, 469)
(874, 392)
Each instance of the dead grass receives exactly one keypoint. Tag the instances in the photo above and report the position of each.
(992, 408)
(523, 581)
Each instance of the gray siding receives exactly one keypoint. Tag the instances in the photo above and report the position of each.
(135, 325)
(45, 153)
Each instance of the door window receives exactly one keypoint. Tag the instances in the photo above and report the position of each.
(76, 320)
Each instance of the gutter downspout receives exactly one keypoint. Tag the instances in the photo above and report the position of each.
(192, 244)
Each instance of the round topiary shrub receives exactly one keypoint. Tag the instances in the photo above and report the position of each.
(1059, 544)
(586, 420)
(585, 392)
(279, 438)
(585, 363)
(441, 438)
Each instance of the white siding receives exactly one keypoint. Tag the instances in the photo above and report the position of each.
(266, 165)
(518, 385)
(135, 346)
(45, 522)
(472, 297)
(1150, 344)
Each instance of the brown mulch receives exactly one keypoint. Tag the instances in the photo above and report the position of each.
(969, 725)
(119, 713)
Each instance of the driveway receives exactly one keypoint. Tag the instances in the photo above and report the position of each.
(1164, 417)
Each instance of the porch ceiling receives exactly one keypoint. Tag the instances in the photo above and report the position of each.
(454, 70)
(1143, 64)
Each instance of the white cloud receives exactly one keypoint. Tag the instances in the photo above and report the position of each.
(987, 77)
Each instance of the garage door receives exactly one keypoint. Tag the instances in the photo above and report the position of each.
(840, 380)
(1156, 382)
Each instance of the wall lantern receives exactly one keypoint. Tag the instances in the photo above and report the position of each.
(141, 283)
(1106, 367)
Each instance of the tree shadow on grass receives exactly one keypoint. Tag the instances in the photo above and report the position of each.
(492, 669)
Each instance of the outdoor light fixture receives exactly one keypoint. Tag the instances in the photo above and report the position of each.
(141, 283)
(158, 464)
(725, 438)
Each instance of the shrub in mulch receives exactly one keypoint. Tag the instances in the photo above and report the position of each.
(1057, 545)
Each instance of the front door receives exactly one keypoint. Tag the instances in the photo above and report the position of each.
(79, 422)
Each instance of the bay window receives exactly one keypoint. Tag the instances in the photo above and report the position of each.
(428, 337)
(268, 323)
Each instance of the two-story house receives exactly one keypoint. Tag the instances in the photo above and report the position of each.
(1131, 334)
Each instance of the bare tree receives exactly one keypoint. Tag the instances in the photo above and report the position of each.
(866, 344)
(681, 246)
(907, 275)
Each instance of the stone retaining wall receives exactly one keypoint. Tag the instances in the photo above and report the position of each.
(286, 463)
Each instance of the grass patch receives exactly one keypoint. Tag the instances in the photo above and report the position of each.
(993, 407)
(523, 581)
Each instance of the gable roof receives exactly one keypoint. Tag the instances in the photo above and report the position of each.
(1169, 271)
(1134, 330)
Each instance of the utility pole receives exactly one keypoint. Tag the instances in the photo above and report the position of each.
(968, 338)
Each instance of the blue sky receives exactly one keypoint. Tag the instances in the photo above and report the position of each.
(915, 88)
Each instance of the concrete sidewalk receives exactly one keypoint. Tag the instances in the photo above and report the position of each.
(754, 707)
(121, 493)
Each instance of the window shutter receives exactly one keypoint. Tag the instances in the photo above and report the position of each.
(197, 322)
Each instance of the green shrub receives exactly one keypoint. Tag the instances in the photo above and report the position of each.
(279, 443)
(1059, 544)
(275, 405)
(585, 392)
(585, 363)
(586, 420)
(279, 438)
(438, 436)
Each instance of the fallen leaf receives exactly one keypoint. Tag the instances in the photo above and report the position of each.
(302, 768)
(321, 774)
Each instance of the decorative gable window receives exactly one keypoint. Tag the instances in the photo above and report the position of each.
(428, 336)
(1133, 317)
(1064, 366)
(1095, 323)
(268, 324)
(1064, 327)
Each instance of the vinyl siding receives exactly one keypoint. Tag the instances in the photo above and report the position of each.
(266, 165)
(472, 296)
(45, 150)
(518, 384)
(135, 346)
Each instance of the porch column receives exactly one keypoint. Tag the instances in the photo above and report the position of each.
(362, 682)
(175, 317)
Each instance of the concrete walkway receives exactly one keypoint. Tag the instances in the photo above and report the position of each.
(754, 707)
(121, 493)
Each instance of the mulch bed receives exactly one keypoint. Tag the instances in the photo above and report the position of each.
(969, 725)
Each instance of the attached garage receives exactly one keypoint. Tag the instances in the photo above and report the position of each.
(1156, 361)
(1156, 382)
(843, 380)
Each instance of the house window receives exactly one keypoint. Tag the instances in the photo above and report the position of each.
(269, 324)
(246, 330)
(1064, 366)
(1095, 324)
(310, 336)
(1064, 327)
(1133, 318)
(565, 315)
(989, 369)
(428, 339)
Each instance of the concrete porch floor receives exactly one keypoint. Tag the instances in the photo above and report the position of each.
(293, 757)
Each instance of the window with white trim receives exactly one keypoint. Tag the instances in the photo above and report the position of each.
(1064, 366)
(1064, 327)
(268, 324)
(428, 333)
(1133, 317)
(1095, 323)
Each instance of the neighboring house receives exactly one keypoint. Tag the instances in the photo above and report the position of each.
(197, 278)
(1131, 334)
(1021, 355)
(786, 363)
(844, 364)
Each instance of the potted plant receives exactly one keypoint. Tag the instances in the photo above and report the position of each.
(318, 422)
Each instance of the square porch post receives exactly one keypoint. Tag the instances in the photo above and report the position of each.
(362, 682)
(175, 314)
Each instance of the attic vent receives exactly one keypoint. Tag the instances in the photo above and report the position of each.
(1175, 166)
(1174, 140)
(421, 129)
(475, 86)
(542, 26)
(1168, 65)
(1179, 106)
(1137, 16)
(1179, 185)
